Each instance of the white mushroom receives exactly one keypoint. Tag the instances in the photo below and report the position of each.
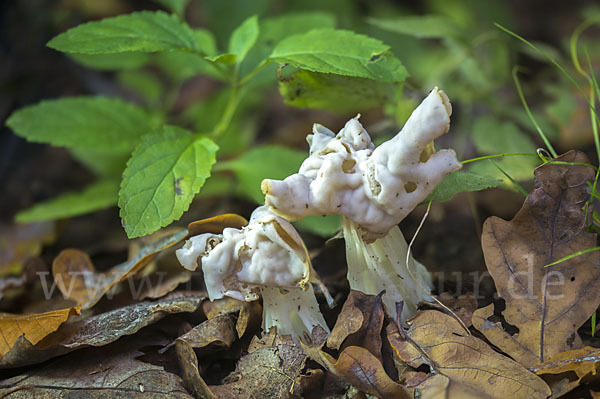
(266, 258)
(373, 189)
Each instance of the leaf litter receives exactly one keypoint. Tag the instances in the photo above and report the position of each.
(213, 350)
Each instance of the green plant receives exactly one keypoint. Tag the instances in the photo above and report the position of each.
(151, 160)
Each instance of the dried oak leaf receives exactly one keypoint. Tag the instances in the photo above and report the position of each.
(109, 372)
(359, 324)
(97, 330)
(360, 368)
(78, 280)
(438, 340)
(188, 364)
(31, 328)
(546, 304)
(218, 333)
(268, 372)
(438, 386)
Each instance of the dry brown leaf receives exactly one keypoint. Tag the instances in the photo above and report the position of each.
(362, 369)
(359, 324)
(546, 304)
(438, 340)
(268, 372)
(438, 386)
(218, 332)
(97, 330)
(32, 327)
(583, 362)
(216, 224)
(223, 306)
(22, 242)
(109, 372)
(250, 317)
(188, 364)
(463, 306)
(77, 278)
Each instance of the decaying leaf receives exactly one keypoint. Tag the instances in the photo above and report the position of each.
(21, 242)
(438, 340)
(218, 332)
(188, 364)
(216, 224)
(97, 330)
(546, 304)
(77, 278)
(250, 316)
(359, 323)
(223, 306)
(463, 306)
(268, 372)
(582, 362)
(32, 327)
(96, 373)
(360, 368)
(438, 386)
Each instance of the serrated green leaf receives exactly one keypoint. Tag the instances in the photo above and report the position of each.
(262, 162)
(94, 197)
(139, 31)
(340, 52)
(275, 29)
(324, 226)
(83, 122)
(165, 172)
(243, 38)
(341, 94)
(177, 7)
(458, 182)
(111, 62)
(421, 26)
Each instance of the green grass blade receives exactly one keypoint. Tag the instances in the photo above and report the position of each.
(513, 181)
(573, 255)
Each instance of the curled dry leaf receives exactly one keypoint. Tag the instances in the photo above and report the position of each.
(359, 324)
(250, 316)
(268, 372)
(98, 330)
(582, 362)
(188, 364)
(77, 278)
(109, 372)
(31, 327)
(546, 304)
(216, 224)
(218, 332)
(362, 369)
(438, 386)
(438, 340)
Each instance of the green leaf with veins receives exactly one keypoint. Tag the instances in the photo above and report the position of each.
(84, 122)
(459, 182)
(243, 38)
(139, 31)
(97, 196)
(275, 29)
(340, 52)
(341, 94)
(163, 175)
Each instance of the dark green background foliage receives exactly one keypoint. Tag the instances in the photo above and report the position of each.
(154, 155)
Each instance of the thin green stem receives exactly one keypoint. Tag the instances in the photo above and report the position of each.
(513, 181)
(531, 117)
(253, 73)
(497, 156)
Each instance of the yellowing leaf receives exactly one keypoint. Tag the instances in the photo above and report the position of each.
(34, 327)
